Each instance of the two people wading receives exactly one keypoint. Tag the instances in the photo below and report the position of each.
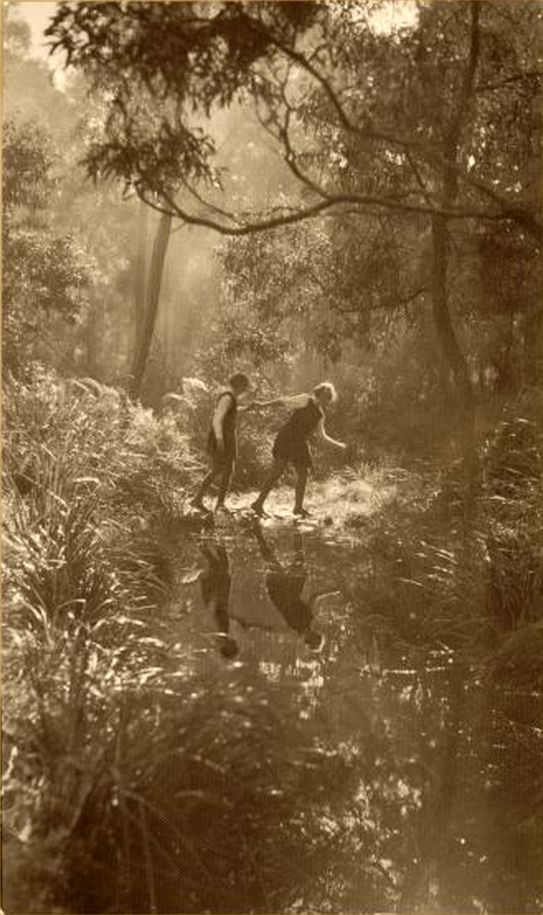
(291, 445)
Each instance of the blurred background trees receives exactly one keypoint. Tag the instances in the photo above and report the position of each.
(298, 190)
(399, 169)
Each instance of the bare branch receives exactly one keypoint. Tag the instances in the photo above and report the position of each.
(320, 208)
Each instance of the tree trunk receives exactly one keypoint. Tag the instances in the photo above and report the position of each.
(139, 278)
(152, 298)
(442, 316)
(449, 181)
(93, 339)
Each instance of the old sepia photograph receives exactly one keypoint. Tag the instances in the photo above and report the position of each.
(272, 457)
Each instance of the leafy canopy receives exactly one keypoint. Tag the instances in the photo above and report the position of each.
(393, 112)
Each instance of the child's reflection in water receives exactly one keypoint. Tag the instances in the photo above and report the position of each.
(285, 586)
(215, 583)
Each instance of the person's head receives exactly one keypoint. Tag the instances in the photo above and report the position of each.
(240, 383)
(314, 640)
(228, 646)
(325, 393)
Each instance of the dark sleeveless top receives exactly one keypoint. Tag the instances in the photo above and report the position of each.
(228, 426)
(285, 590)
(291, 440)
(303, 421)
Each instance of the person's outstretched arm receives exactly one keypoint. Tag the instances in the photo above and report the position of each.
(292, 401)
(319, 595)
(326, 438)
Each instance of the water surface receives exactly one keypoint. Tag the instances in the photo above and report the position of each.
(443, 812)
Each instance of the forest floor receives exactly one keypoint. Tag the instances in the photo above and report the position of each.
(337, 503)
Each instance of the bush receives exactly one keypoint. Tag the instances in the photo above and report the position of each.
(214, 781)
(513, 462)
(458, 559)
(134, 781)
(86, 475)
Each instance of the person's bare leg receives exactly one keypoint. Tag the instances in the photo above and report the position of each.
(274, 476)
(301, 481)
(224, 486)
(197, 501)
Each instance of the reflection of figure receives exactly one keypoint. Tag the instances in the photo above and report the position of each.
(285, 588)
(215, 583)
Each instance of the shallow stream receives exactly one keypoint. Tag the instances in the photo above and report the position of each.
(445, 811)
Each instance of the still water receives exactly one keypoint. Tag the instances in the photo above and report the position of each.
(439, 807)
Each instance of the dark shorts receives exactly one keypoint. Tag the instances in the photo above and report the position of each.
(293, 449)
(222, 461)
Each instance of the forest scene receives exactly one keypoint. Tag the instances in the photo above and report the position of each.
(310, 678)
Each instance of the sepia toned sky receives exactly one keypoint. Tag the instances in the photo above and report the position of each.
(37, 14)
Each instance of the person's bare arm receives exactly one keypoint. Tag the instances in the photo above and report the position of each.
(316, 596)
(292, 401)
(326, 438)
(218, 420)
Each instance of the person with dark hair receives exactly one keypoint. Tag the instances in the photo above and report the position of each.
(216, 583)
(291, 443)
(285, 587)
(222, 440)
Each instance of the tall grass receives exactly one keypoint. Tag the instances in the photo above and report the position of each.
(77, 589)
(132, 782)
(437, 579)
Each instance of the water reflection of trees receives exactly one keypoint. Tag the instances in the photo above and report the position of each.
(448, 776)
(440, 755)
(372, 775)
(447, 765)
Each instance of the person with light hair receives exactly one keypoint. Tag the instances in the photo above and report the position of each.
(291, 443)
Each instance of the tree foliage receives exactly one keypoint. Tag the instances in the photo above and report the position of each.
(185, 59)
(44, 273)
(393, 98)
(433, 129)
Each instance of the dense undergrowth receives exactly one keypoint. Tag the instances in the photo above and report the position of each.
(96, 707)
(85, 477)
(457, 558)
(131, 782)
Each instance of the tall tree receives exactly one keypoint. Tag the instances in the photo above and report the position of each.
(422, 122)
(140, 275)
(150, 303)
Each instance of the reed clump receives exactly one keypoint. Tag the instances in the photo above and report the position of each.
(78, 588)
(461, 563)
(133, 780)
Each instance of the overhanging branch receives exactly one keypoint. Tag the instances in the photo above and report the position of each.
(321, 208)
(426, 150)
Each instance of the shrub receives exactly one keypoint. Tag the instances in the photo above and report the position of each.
(85, 476)
(458, 559)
